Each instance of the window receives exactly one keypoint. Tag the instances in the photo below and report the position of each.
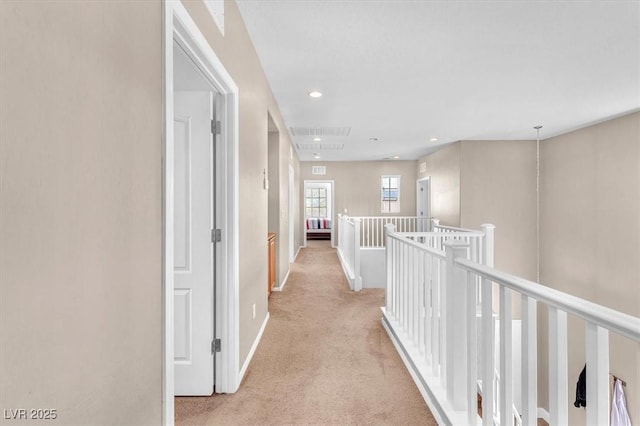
(390, 190)
(316, 202)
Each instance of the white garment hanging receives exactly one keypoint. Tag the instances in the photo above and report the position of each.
(619, 413)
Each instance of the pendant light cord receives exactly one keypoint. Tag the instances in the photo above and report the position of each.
(538, 202)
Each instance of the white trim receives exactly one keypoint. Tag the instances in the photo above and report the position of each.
(253, 348)
(442, 412)
(179, 27)
(168, 384)
(297, 253)
(284, 281)
(543, 414)
(292, 207)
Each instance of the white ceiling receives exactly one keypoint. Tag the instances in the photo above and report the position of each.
(407, 71)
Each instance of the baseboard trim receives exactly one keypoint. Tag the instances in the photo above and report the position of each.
(297, 253)
(284, 281)
(243, 370)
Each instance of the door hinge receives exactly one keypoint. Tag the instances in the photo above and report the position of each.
(215, 127)
(216, 235)
(215, 346)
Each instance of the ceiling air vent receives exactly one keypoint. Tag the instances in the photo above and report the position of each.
(320, 131)
(320, 146)
(319, 170)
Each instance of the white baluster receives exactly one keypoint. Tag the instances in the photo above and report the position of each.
(427, 265)
(396, 277)
(418, 285)
(558, 387)
(410, 293)
(405, 287)
(420, 302)
(435, 314)
(506, 361)
(529, 362)
(472, 353)
(597, 356)
(488, 365)
(442, 329)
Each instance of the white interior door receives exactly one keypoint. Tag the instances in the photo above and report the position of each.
(423, 204)
(193, 251)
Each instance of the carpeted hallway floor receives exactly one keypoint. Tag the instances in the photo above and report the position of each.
(324, 358)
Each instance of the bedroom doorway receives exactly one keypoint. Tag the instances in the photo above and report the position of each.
(186, 335)
(318, 210)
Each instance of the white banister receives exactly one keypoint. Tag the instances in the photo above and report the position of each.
(615, 321)
(455, 329)
(558, 387)
(431, 314)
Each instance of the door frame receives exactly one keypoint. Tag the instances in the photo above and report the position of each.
(303, 211)
(179, 26)
(292, 204)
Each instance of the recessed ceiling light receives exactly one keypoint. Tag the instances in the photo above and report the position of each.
(316, 155)
(373, 139)
(315, 94)
(433, 140)
(396, 157)
(317, 139)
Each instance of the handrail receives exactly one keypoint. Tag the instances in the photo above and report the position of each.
(619, 322)
(431, 250)
(453, 228)
(439, 234)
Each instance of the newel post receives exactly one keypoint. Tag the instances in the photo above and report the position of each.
(388, 248)
(488, 243)
(357, 285)
(434, 224)
(456, 325)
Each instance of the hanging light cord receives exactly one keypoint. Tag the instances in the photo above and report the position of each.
(537, 202)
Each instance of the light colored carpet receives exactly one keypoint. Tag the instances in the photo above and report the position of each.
(324, 359)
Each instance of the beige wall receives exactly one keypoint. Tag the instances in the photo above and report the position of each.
(590, 233)
(81, 197)
(281, 156)
(443, 167)
(357, 185)
(81, 256)
(498, 186)
(238, 55)
(476, 182)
